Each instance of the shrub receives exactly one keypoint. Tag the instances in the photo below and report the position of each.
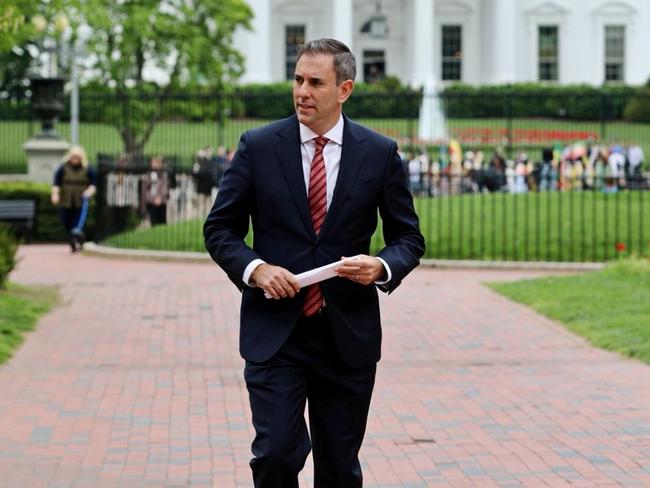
(48, 227)
(638, 107)
(7, 253)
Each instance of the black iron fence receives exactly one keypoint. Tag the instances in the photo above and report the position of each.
(577, 218)
(525, 177)
(586, 217)
(178, 126)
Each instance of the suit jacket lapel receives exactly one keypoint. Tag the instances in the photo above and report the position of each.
(351, 162)
(287, 147)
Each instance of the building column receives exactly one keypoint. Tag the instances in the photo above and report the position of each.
(504, 22)
(342, 25)
(423, 73)
(258, 62)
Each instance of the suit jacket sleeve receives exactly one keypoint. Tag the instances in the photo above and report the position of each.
(404, 242)
(227, 224)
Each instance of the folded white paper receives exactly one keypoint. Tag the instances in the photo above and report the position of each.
(317, 275)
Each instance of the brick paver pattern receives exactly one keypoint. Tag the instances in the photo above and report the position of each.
(135, 380)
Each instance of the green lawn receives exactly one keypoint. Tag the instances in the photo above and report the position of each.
(571, 226)
(610, 308)
(183, 139)
(181, 236)
(557, 226)
(20, 309)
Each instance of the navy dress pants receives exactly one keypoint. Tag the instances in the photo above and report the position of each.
(308, 370)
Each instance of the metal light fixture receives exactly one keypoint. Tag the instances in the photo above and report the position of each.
(377, 25)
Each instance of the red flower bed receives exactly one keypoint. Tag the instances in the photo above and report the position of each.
(481, 135)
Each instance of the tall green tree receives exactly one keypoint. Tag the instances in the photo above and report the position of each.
(188, 41)
(23, 24)
(14, 66)
(14, 22)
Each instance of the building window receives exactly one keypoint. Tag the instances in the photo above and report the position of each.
(293, 38)
(374, 66)
(452, 52)
(548, 53)
(614, 52)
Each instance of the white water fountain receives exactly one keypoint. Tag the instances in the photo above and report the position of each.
(432, 126)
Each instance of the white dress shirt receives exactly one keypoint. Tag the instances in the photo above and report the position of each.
(332, 157)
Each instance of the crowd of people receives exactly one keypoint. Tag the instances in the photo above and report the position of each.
(161, 193)
(209, 168)
(579, 166)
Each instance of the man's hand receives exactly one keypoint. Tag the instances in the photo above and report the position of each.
(276, 281)
(364, 270)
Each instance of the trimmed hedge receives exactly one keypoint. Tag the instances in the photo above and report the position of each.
(387, 99)
(263, 101)
(569, 102)
(638, 107)
(8, 248)
(48, 226)
(384, 100)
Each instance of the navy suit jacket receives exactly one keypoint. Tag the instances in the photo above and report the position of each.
(265, 184)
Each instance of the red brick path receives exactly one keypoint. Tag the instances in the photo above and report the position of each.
(135, 381)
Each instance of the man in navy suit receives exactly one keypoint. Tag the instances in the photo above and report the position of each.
(311, 186)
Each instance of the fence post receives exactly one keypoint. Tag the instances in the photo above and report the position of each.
(603, 116)
(221, 116)
(100, 202)
(412, 129)
(509, 115)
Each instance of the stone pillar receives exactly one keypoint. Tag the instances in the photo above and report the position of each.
(504, 22)
(259, 45)
(44, 155)
(342, 22)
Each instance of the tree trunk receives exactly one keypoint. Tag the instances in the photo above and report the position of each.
(132, 150)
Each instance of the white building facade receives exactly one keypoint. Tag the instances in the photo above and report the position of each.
(435, 42)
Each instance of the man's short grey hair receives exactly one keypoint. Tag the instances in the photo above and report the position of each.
(345, 65)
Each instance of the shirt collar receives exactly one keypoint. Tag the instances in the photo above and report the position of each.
(335, 134)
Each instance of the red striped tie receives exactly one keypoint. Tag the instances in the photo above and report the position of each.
(318, 209)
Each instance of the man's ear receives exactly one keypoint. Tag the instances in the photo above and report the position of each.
(345, 90)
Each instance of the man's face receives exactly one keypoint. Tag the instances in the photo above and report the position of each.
(316, 96)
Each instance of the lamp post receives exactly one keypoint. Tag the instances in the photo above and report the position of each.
(72, 51)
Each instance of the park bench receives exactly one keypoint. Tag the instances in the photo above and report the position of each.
(21, 214)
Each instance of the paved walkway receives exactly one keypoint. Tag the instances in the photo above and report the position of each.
(135, 381)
